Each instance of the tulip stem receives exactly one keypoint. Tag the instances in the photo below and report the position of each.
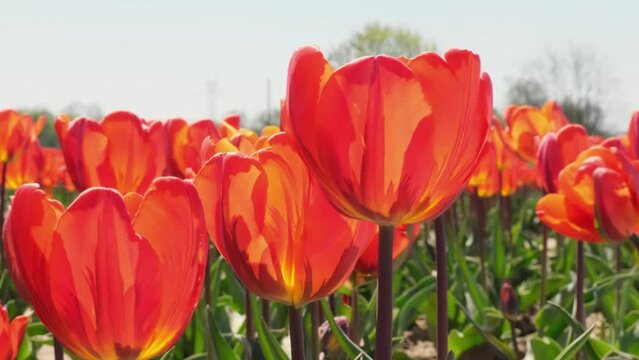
(618, 259)
(315, 319)
(296, 330)
(332, 304)
(544, 267)
(266, 311)
(207, 281)
(353, 329)
(579, 286)
(579, 289)
(2, 196)
(384, 338)
(442, 289)
(513, 335)
(58, 350)
(480, 212)
(250, 330)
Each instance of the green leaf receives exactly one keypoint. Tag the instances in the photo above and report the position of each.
(353, 351)
(544, 347)
(501, 349)
(26, 350)
(479, 297)
(577, 327)
(221, 348)
(550, 322)
(569, 352)
(197, 356)
(499, 248)
(270, 347)
(409, 309)
(530, 296)
(459, 342)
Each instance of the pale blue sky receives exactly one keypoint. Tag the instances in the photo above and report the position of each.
(156, 57)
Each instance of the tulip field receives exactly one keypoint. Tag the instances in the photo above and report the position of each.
(394, 213)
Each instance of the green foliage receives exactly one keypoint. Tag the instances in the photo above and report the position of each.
(375, 39)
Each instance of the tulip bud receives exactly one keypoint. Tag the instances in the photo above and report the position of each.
(509, 302)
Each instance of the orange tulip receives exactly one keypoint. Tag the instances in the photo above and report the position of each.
(25, 167)
(53, 170)
(499, 170)
(527, 125)
(110, 276)
(367, 262)
(245, 142)
(121, 152)
(558, 150)
(392, 140)
(11, 334)
(17, 131)
(185, 142)
(597, 197)
(272, 223)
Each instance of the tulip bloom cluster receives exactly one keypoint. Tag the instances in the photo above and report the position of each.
(597, 197)
(499, 170)
(367, 148)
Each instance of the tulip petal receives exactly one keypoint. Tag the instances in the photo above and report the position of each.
(28, 233)
(92, 267)
(308, 72)
(133, 155)
(556, 212)
(614, 208)
(181, 244)
(86, 151)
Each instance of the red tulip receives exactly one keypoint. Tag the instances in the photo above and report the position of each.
(11, 334)
(527, 125)
(633, 135)
(185, 142)
(558, 150)
(272, 223)
(121, 152)
(597, 197)
(110, 276)
(367, 262)
(17, 131)
(392, 140)
(25, 167)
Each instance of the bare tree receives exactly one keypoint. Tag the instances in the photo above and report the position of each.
(576, 78)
